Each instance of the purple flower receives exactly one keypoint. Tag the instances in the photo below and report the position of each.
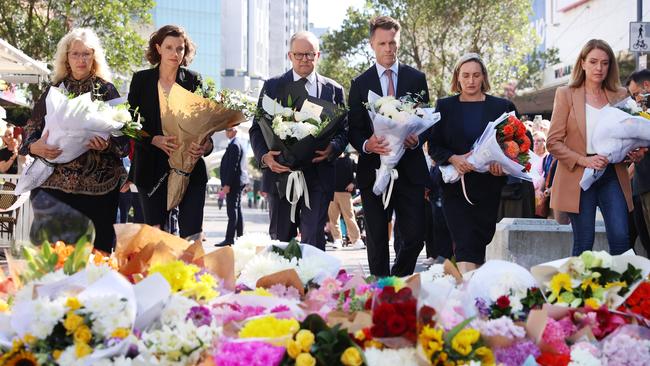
(280, 309)
(516, 354)
(199, 315)
(248, 354)
(482, 307)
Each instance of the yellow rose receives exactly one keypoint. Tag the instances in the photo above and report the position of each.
(486, 356)
(82, 350)
(351, 357)
(305, 339)
(305, 359)
(56, 354)
(82, 334)
(293, 348)
(72, 322)
(120, 333)
(463, 341)
(29, 339)
(73, 303)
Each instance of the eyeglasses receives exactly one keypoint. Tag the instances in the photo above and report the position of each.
(80, 55)
(299, 56)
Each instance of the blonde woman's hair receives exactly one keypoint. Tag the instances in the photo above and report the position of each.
(611, 82)
(90, 39)
(469, 57)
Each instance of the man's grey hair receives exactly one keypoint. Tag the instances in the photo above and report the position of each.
(305, 35)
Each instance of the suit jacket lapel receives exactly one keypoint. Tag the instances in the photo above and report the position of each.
(579, 105)
(374, 84)
(326, 90)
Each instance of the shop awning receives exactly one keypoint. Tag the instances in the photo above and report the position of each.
(536, 102)
(16, 67)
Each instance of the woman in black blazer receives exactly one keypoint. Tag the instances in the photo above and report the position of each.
(463, 119)
(169, 49)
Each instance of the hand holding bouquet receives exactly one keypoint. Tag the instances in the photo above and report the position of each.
(394, 120)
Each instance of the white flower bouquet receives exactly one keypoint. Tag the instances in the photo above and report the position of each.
(395, 119)
(71, 123)
(620, 129)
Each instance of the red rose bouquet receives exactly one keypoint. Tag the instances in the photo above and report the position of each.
(394, 314)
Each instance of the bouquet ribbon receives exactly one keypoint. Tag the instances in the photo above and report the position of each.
(386, 195)
(297, 185)
(462, 183)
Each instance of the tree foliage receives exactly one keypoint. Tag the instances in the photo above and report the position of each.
(435, 33)
(36, 26)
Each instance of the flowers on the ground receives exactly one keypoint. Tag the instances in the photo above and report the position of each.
(252, 353)
(187, 279)
(394, 313)
(269, 327)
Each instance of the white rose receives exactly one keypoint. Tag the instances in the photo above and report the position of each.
(401, 117)
(388, 110)
(122, 115)
(287, 112)
(383, 100)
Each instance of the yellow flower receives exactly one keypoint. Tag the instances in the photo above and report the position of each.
(29, 339)
(373, 344)
(21, 358)
(120, 333)
(431, 340)
(592, 303)
(200, 291)
(351, 357)
(463, 341)
(305, 339)
(359, 335)
(4, 307)
(82, 350)
(56, 354)
(617, 283)
(305, 359)
(73, 303)
(589, 282)
(82, 334)
(72, 322)
(560, 281)
(179, 275)
(269, 327)
(486, 356)
(293, 348)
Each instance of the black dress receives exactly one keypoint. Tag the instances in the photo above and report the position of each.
(471, 226)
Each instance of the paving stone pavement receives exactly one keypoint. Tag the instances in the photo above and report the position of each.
(256, 220)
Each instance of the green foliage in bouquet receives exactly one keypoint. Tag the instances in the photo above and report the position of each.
(291, 251)
(46, 260)
(231, 99)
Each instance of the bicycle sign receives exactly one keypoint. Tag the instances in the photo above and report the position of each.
(639, 36)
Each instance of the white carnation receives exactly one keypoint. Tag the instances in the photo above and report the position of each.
(176, 309)
(264, 264)
(122, 115)
(287, 112)
(108, 313)
(245, 248)
(45, 316)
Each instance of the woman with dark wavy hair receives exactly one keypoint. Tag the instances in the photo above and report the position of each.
(170, 49)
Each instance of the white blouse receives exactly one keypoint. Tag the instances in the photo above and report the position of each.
(592, 116)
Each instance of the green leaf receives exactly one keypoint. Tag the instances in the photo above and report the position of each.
(455, 330)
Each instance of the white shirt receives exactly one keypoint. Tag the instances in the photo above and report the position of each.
(383, 78)
(592, 115)
(311, 85)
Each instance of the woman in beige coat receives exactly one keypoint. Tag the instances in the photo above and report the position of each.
(594, 85)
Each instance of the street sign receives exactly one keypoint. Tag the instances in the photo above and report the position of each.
(639, 36)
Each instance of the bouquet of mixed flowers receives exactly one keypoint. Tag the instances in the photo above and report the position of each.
(71, 123)
(503, 141)
(460, 345)
(592, 279)
(395, 119)
(620, 129)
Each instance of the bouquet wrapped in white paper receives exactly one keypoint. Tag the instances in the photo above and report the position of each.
(620, 129)
(71, 123)
(487, 149)
(395, 119)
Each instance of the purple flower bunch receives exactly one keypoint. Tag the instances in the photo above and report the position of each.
(516, 354)
(253, 353)
(624, 348)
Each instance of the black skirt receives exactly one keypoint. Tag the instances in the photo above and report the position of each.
(472, 226)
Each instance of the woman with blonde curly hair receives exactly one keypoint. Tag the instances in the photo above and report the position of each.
(91, 182)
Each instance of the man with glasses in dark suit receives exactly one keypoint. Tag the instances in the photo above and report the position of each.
(304, 54)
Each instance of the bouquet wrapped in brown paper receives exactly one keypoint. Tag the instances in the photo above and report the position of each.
(191, 118)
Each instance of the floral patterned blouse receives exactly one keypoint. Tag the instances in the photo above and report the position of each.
(94, 172)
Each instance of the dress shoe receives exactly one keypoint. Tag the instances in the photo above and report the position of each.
(224, 243)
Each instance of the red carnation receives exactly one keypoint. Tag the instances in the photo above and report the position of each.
(508, 131)
(552, 359)
(396, 325)
(503, 302)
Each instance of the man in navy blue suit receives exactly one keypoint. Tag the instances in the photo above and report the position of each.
(389, 77)
(234, 178)
(304, 54)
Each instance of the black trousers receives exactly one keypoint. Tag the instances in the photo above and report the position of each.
(311, 221)
(235, 218)
(190, 210)
(408, 202)
(127, 200)
(100, 209)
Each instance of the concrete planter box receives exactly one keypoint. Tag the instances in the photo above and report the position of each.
(529, 242)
